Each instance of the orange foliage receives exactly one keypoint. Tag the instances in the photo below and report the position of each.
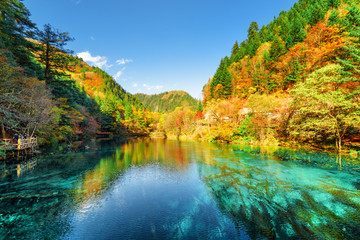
(321, 46)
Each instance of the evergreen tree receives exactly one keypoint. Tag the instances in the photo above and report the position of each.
(333, 3)
(295, 74)
(253, 30)
(51, 50)
(333, 18)
(350, 60)
(235, 48)
(317, 14)
(297, 33)
(221, 84)
(277, 48)
(200, 107)
(15, 27)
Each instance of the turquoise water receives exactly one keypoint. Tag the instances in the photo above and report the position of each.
(147, 189)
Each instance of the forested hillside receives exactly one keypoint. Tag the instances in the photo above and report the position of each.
(296, 78)
(292, 81)
(167, 101)
(45, 91)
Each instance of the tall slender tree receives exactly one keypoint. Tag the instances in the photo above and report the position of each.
(51, 51)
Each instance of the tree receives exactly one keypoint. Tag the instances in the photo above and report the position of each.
(200, 106)
(326, 108)
(235, 48)
(333, 18)
(277, 48)
(221, 84)
(333, 3)
(51, 51)
(253, 30)
(317, 13)
(297, 33)
(15, 27)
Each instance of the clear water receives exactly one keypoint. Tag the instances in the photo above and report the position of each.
(147, 189)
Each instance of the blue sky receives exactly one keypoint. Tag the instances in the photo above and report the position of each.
(155, 46)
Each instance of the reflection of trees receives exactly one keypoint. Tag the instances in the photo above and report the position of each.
(135, 153)
(276, 199)
(38, 203)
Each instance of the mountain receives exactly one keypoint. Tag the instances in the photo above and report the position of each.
(309, 36)
(167, 101)
(296, 78)
(48, 92)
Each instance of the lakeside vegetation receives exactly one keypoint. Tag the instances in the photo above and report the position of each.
(48, 92)
(294, 81)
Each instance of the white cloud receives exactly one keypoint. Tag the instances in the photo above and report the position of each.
(92, 38)
(78, 2)
(135, 85)
(157, 87)
(98, 61)
(119, 74)
(123, 61)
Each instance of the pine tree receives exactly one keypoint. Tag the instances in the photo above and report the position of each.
(221, 84)
(317, 14)
(200, 107)
(350, 60)
(15, 27)
(333, 3)
(333, 18)
(276, 49)
(51, 50)
(297, 33)
(253, 30)
(235, 48)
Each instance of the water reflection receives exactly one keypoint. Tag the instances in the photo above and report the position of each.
(146, 189)
(271, 192)
(135, 153)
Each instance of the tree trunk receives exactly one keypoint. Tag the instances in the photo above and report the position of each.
(338, 144)
(47, 62)
(3, 131)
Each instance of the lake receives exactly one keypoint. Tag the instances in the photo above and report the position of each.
(162, 189)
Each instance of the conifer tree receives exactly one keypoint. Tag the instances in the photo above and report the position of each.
(51, 49)
(276, 49)
(333, 18)
(200, 107)
(297, 33)
(235, 48)
(333, 3)
(221, 84)
(15, 27)
(317, 13)
(253, 30)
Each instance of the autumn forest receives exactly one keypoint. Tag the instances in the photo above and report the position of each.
(294, 81)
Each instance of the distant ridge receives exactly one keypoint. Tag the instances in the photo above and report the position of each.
(167, 101)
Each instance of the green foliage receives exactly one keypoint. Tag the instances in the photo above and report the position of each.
(244, 129)
(297, 33)
(333, 18)
(333, 3)
(51, 52)
(253, 30)
(200, 107)
(167, 101)
(326, 110)
(295, 74)
(221, 84)
(277, 48)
